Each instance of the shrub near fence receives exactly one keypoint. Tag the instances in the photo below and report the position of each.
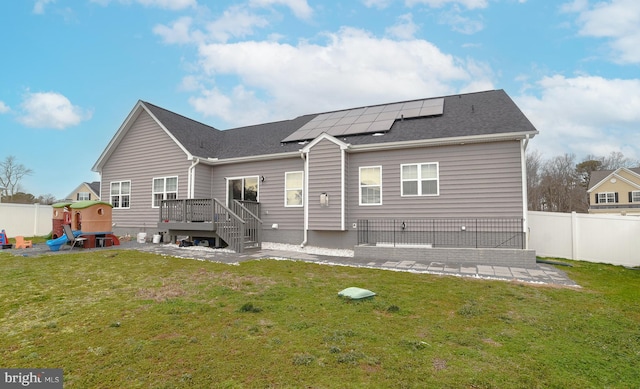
(26, 219)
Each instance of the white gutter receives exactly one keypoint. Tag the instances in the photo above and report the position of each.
(525, 201)
(305, 198)
(254, 158)
(191, 179)
(380, 146)
(442, 141)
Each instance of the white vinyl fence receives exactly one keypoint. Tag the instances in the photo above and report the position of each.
(26, 219)
(594, 238)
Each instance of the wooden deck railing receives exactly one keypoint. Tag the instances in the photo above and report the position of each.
(253, 225)
(239, 227)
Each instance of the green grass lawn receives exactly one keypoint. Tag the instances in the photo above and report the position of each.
(127, 319)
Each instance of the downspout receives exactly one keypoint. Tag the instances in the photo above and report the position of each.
(342, 190)
(191, 177)
(525, 200)
(305, 198)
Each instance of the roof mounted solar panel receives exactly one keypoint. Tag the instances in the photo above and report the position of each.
(365, 120)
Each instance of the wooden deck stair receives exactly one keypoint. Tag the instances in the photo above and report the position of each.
(239, 226)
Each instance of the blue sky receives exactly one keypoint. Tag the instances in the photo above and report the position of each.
(72, 70)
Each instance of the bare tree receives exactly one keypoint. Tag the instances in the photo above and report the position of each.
(46, 199)
(561, 187)
(11, 172)
(534, 166)
(617, 160)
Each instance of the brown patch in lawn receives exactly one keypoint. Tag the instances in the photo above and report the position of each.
(163, 293)
(187, 283)
(439, 364)
(492, 342)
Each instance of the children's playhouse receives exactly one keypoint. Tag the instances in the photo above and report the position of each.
(89, 219)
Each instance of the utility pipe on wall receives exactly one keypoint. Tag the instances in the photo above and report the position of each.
(305, 198)
(191, 178)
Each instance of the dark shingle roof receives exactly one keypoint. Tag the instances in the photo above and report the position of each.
(473, 114)
(198, 138)
(95, 187)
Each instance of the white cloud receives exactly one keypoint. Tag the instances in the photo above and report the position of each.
(235, 22)
(585, 115)
(616, 20)
(50, 110)
(38, 7)
(4, 108)
(178, 32)
(380, 4)
(174, 5)
(404, 28)
(300, 8)
(460, 23)
(470, 4)
(229, 106)
(352, 68)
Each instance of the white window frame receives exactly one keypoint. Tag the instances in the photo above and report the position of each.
(635, 196)
(607, 198)
(288, 189)
(164, 191)
(119, 194)
(419, 179)
(83, 196)
(360, 186)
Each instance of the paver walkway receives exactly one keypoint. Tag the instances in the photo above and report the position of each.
(541, 274)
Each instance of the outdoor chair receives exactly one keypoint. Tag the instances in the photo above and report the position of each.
(21, 243)
(72, 238)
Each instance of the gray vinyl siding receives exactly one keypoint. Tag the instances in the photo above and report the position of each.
(271, 191)
(325, 176)
(476, 181)
(203, 185)
(145, 152)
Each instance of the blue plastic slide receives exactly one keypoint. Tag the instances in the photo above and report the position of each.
(55, 244)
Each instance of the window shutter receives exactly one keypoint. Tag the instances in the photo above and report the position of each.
(597, 198)
(631, 197)
(89, 196)
(616, 197)
(77, 196)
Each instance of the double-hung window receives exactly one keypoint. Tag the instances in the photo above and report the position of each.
(164, 188)
(120, 194)
(607, 197)
(293, 189)
(420, 179)
(634, 197)
(83, 196)
(371, 185)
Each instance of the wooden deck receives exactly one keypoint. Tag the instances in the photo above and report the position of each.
(240, 226)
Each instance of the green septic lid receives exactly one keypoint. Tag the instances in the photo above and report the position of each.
(87, 204)
(60, 205)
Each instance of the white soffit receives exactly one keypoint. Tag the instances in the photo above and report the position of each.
(366, 120)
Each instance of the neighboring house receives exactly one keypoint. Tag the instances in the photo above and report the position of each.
(615, 191)
(85, 191)
(319, 178)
